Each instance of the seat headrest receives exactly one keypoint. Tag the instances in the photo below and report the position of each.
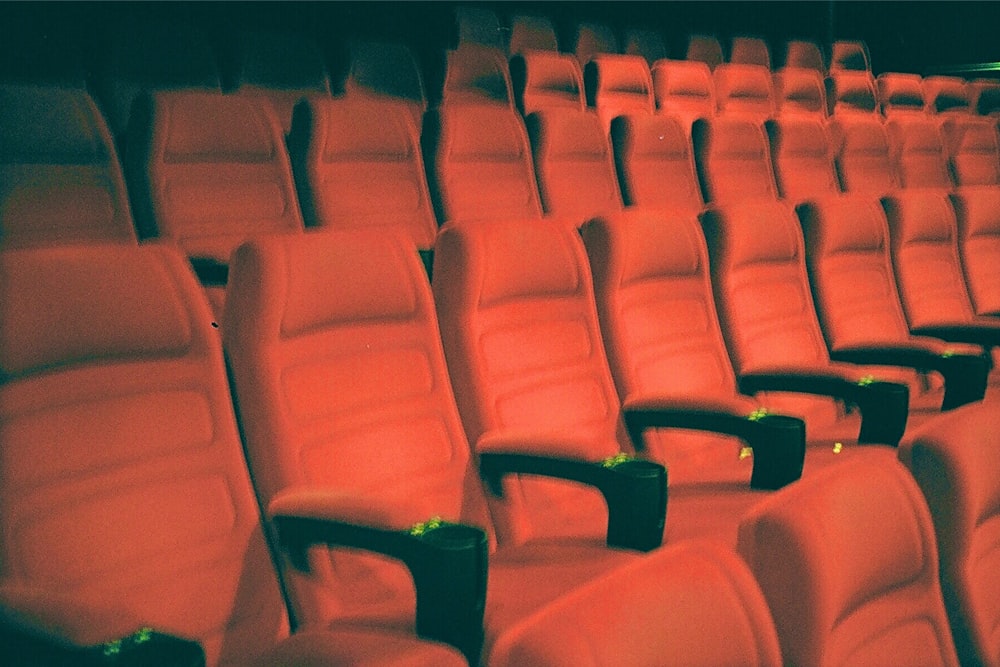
(211, 127)
(920, 216)
(756, 231)
(622, 74)
(50, 125)
(684, 78)
(800, 89)
(978, 210)
(658, 245)
(845, 225)
(363, 128)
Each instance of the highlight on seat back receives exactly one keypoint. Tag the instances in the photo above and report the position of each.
(745, 90)
(142, 513)
(706, 49)
(798, 90)
(358, 164)
(954, 461)
(900, 93)
(917, 151)
(531, 33)
(750, 51)
(861, 153)
(386, 70)
(684, 89)
(851, 55)
(482, 164)
(734, 162)
(573, 161)
(618, 84)
(803, 158)
(60, 180)
(806, 54)
(947, 95)
(978, 213)
(646, 43)
(593, 39)
(545, 80)
(973, 149)
(655, 162)
(852, 92)
(475, 73)
(847, 561)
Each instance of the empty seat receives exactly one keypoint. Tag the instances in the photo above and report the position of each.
(803, 158)
(848, 563)
(852, 92)
(209, 171)
(733, 159)
(744, 89)
(546, 79)
(917, 152)
(478, 74)
(480, 25)
(592, 39)
(482, 164)
(646, 43)
(60, 179)
(684, 89)
(655, 162)
(706, 49)
(618, 84)
(954, 460)
(978, 213)
(850, 55)
(143, 514)
(574, 165)
(357, 164)
(861, 151)
(984, 96)
(531, 33)
(947, 95)
(973, 149)
(798, 90)
(900, 93)
(750, 51)
(806, 54)
(386, 70)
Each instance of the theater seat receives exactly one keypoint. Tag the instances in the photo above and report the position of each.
(744, 89)
(852, 92)
(848, 563)
(477, 73)
(706, 49)
(733, 159)
(973, 150)
(531, 33)
(618, 84)
(685, 89)
(750, 51)
(593, 39)
(978, 213)
(948, 95)
(128, 512)
(803, 160)
(545, 80)
(799, 90)
(917, 151)
(386, 70)
(851, 55)
(900, 93)
(646, 43)
(804, 53)
(861, 153)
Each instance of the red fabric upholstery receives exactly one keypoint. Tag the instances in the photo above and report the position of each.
(848, 564)
(803, 53)
(617, 85)
(948, 95)
(359, 165)
(574, 164)
(799, 90)
(387, 70)
(954, 460)
(483, 165)
(684, 88)
(477, 73)
(531, 33)
(706, 49)
(852, 92)
(733, 159)
(60, 181)
(655, 162)
(850, 55)
(803, 158)
(973, 149)
(861, 151)
(750, 51)
(917, 151)
(744, 89)
(593, 39)
(547, 79)
(978, 213)
(900, 93)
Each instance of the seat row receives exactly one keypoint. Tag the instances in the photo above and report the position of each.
(342, 381)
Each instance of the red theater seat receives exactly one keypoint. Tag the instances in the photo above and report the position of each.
(900, 93)
(973, 149)
(803, 158)
(475, 73)
(646, 43)
(706, 49)
(948, 95)
(978, 213)
(798, 90)
(547, 79)
(531, 33)
(806, 54)
(744, 89)
(733, 158)
(593, 39)
(617, 85)
(861, 152)
(918, 154)
(850, 55)
(684, 89)
(852, 92)
(750, 51)
(386, 70)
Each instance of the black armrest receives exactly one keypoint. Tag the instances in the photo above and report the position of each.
(210, 271)
(965, 376)
(975, 334)
(21, 647)
(778, 442)
(448, 562)
(884, 406)
(635, 490)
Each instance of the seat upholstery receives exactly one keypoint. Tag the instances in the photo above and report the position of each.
(706, 49)
(947, 95)
(744, 89)
(60, 179)
(900, 93)
(386, 70)
(646, 43)
(799, 90)
(917, 151)
(684, 88)
(862, 156)
(592, 39)
(803, 158)
(848, 564)
(806, 54)
(477, 73)
(954, 460)
(973, 150)
(618, 84)
(547, 79)
(126, 499)
(750, 51)
(850, 55)
(978, 213)
(852, 92)
(531, 33)
(733, 158)
(358, 164)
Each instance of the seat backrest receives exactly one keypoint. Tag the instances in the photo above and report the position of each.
(477, 24)
(803, 158)
(847, 560)
(618, 84)
(329, 384)
(924, 240)
(124, 483)
(384, 69)
(948, 95)
(545, 80)
(806, 54)
(973, 149)
(358, 164)
(524, 350)
(978, 213)
(655, 162)
(531, 33)
(733, 159)
(861, 151)
(594, 38)
(60, 179)
(750, 51)
(706, 49)
(798, 90)
(917, 151)
(646, 43)
(744, 89)
(482, 166)
(574, 164)
(478, 74)
(850, 55)
(900, 93)
(684, 88)
(977, 89)
(852, 92)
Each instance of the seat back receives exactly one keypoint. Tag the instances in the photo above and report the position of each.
(358, 164)
(531, 33)
(861, 153)
(618, 84)
(978, 213)
(744, 89)
(386, 70)
(733, 159)
(592, 39)
(948, 95)
(706, 49)
(482, 165)
(803, 158)
(655, 162)
(852, 92)
(850, 55)
(524, 350)
(900, 93)
(124, 483)
(646, 43)
(847, 560)
(973, 149)
(476, 73)
(574, 165)
(806, 54)
(917, 151)
(60, 179)
(750, 51)
(545, 80)
(684, 89)
(345, 392)
(798, 90)
(480, 25)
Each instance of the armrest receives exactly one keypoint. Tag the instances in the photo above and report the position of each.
(884, 406)
(965, 376)
(210, 271)
(778, 442)
(448, 562)
(635, 490)
(982, 334)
